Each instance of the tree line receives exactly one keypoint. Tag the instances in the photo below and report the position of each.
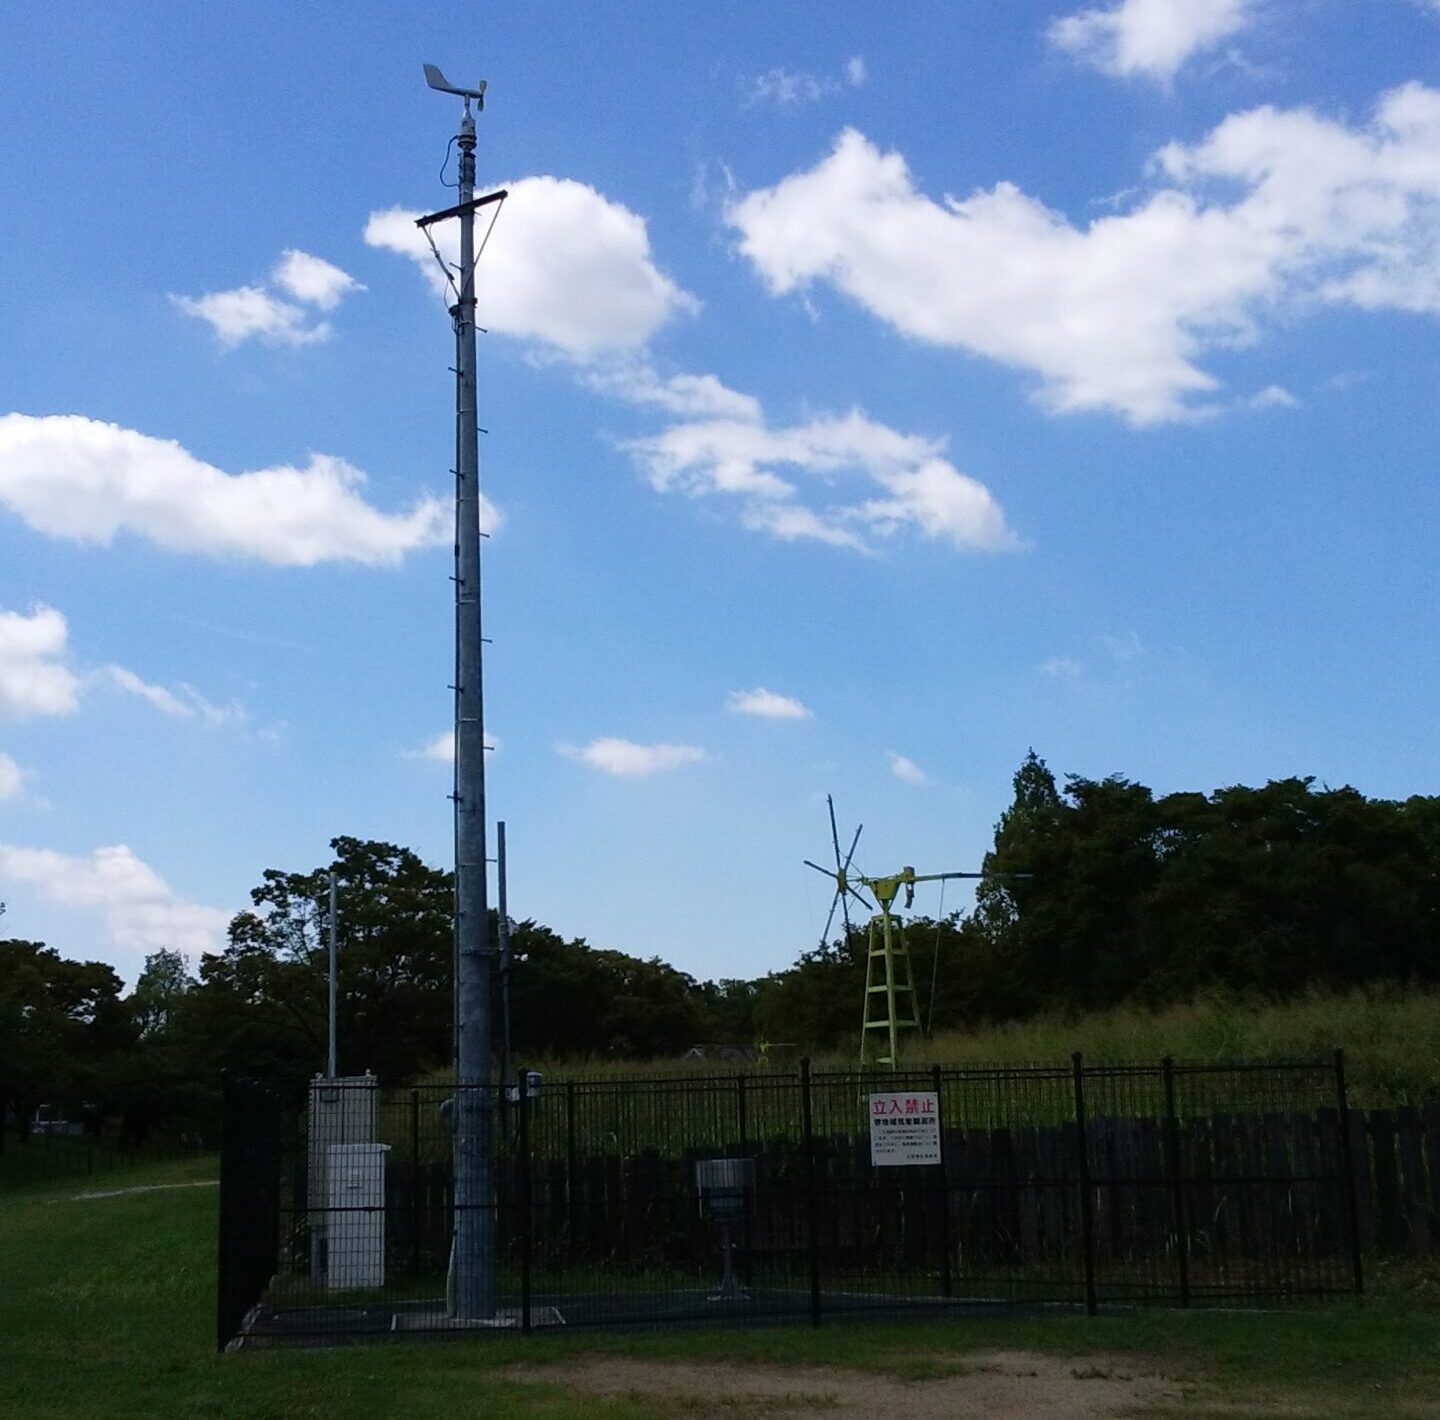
(1131, 897)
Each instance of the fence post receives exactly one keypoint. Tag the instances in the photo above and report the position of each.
(225, 1279)
(415, 1181)
(812, 1211)
(1177, 1184)
(525, 1106)
(1087, 1202)
(1347, 1157)
(946, 1281)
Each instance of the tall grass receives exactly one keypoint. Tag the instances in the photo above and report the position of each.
(1391, 1039)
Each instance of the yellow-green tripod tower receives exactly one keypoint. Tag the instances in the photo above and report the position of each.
(891, 1005)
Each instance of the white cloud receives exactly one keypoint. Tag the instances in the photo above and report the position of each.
(787, 87)
(12, 777)
(1151, 38)
(78, 478)
(1062, 668)
(906, 769)
(34, 679)
(140, 910)
(441, 748)
(913, 484)
(1273, 397)
(188, 704)
(313, 280)
(630, 760)
(564, 266)
(691, 396)
(250, 312)
(1273, 209)
(253, 313)
(768, 704)
(1128, 647)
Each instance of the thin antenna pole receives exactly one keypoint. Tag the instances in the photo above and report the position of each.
(334, 977)
(474, 1112)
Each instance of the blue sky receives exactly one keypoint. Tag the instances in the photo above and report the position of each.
(964, 378)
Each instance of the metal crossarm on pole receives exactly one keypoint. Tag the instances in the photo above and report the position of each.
(463, 209)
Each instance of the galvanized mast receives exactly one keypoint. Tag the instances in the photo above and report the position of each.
(474, 1196)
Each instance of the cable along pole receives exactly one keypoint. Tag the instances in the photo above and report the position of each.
(474, 1116)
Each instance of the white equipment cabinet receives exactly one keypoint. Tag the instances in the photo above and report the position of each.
(355, 1226)
(342, 1111)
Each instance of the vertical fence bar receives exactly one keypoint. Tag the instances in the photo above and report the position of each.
(1087, 1201)
(740, 1111)
(947, 1283)
(571, 1219)
(1347, 1157)
(526, 1104)
(812, 1210)
(1177, 1184)
(415, 1182)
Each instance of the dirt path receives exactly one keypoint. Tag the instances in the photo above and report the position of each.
(1002, 1385)
(137, 1188)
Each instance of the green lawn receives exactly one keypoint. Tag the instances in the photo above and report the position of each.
(107, 1310)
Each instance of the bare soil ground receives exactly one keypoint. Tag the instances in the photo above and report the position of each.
(999, 1385)
(1003, 1385)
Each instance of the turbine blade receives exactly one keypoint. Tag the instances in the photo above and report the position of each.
(859, 828)
(834, 834)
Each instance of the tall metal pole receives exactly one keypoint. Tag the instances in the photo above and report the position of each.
(334, 975)
(474, 1112)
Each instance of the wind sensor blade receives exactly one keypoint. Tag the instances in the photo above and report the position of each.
(834, 834)
(853, 842)
(437, 80)
(825, 935)
(829, 872)
(845, 908)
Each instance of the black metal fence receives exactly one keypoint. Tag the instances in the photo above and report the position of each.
(1079, 1186)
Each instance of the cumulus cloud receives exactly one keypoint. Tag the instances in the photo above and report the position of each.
(1273, 209)
(906, 769)
(83, 480)
(250, 312)
(782, 476)
(34, 679)
(255, 313)
(1150, 38)
(313, 280)
(1062, 668)
(140, 910)
(565, 266)
(788, 88)
(768, 704)
(12, 777)
(627, 759)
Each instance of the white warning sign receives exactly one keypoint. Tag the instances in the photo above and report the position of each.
(905, 1128)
